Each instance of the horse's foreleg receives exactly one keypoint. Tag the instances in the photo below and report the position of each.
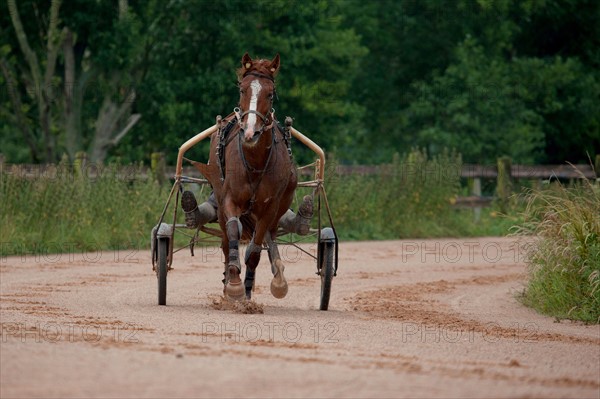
(233, 286)
(251, 259)
(253, 256)
(279, 286)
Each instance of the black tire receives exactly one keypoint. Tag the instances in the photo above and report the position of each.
(163, 248)
(327, 271)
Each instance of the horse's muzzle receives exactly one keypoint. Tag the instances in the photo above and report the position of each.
(251, 137)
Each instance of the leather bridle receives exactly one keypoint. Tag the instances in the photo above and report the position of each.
(267, 120)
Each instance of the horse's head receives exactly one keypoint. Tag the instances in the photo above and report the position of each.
(256, 79)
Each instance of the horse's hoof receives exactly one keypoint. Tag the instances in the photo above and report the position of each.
(279, 286)
(279, 291)
(234, 289)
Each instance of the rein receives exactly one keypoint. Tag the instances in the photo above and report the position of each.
(250, 169)
(245, 161)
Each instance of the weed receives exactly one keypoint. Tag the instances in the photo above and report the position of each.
(564, 265)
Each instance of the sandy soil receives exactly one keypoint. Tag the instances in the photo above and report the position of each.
(430, 318)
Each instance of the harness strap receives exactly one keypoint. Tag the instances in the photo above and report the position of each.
(251, 111)
(223, 142)
(264, 118)
(250, 169)
(287, 137)
(259, 75)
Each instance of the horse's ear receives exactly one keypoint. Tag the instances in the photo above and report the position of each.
(246, 61)
(274, 66)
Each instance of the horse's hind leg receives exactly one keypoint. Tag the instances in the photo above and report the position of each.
(251, 259)
(233, 286)
(279, 286)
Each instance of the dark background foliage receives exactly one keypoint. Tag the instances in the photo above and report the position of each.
(364, 79)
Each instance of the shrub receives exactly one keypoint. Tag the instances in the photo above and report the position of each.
(564, 262)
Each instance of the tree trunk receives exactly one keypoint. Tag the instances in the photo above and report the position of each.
(71, 116)
(47, 92)
(114, 119)
(42, 84)
(21, 120)
(109, 116)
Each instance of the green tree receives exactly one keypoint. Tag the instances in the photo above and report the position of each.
(192, 78)
(475, 106)
(168, 68)
(40, 68)
(81, 73)
(365, 79)
(474, 74)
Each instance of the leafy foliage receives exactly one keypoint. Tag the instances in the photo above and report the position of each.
(488, 78)
(474, 106)
(364, 79)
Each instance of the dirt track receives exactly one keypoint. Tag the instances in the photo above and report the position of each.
(433, 318)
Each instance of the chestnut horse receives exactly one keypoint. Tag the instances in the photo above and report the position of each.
(253, 177)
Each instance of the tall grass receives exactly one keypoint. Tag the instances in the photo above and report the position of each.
(564, 263)
(69, 212)
(411, 197)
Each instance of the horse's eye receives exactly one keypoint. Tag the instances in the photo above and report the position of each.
(270, 96)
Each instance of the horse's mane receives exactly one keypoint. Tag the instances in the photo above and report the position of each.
(258, 66)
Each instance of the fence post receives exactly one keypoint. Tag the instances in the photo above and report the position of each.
(504, 182)
(80, 164)
(476, 190)
(597, 166)
(158, 167)
(1, 163)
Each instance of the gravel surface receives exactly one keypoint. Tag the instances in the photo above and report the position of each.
(412, 318)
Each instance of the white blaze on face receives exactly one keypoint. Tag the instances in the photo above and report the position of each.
(255, 88)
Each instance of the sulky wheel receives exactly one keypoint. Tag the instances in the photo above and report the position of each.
(162, 267)
(326, 265)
